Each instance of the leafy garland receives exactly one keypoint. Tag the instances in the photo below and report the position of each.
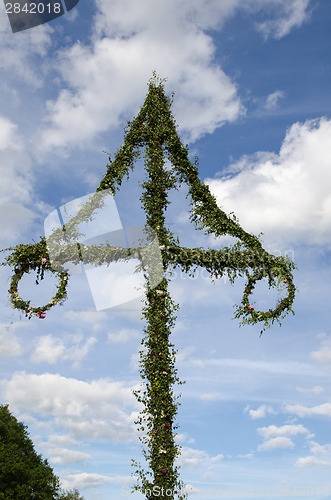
(157, 368)
(154, 129)
(235, 263)
(32, 257)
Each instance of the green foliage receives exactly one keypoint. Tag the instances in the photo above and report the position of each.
(70, 495)
(154, 130)
(25, 258)
(24, 474)
(156, 421)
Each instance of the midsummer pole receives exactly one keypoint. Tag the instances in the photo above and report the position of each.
(154, 129)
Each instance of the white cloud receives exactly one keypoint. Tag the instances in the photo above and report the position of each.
(9, 344)
(132, 38)
(84, 409)
(275, 443)
(288, 15)
(79, 350)
(184, 355)
(123, 18)
(310, 462)
(305, 411)
(261, 412)
(272, 99)
(85, 480)
(20, 53)
(247, 455)
(124, 335)
(212, 396)
(101, 92)
(292, 187)
(127, 17)
(180, 438)
(318, 449)
(322, 356)
(7, 134)
(277, 437)
(91, 317)
(284, 430)
(15, 179)
(16, 182)
(63, 456)
(50, 349)
(315, 390)
(14, 220)
(56, 440)
(191, 457)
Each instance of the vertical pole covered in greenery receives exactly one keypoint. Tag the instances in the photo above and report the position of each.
(154, 130)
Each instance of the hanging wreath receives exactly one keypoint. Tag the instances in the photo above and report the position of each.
(252, 316)
(23, 266)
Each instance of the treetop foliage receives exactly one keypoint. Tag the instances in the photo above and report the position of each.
(24, 474)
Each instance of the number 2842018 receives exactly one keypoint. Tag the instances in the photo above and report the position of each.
(33, 8)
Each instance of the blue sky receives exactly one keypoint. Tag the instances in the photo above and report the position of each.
(252, 100)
